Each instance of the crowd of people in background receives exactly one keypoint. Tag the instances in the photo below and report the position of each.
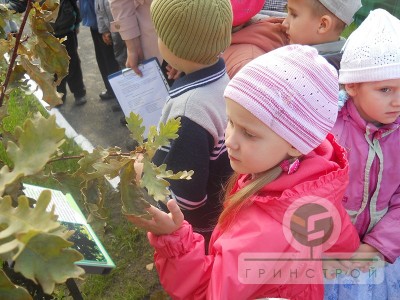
(278, 111)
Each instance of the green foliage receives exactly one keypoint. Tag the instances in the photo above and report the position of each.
(30, 235)
(30, 157)
(110, 163)
(348, 30)
(8, 291)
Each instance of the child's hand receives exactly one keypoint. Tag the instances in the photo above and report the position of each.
(161, 223)
(365, 252)
(106, 36)
(332, 268)
(172, 72)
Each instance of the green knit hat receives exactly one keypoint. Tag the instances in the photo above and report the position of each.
(195, 30)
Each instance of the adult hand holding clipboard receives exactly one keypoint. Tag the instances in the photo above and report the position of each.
(135, 55)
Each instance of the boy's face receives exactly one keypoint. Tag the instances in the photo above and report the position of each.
(378, 101)
(301, 23)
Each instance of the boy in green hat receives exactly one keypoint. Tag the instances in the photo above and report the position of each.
(191, 36)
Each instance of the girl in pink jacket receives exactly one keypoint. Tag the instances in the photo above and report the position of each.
(283, 207)
(368, 127)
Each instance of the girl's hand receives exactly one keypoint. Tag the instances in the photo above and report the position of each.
(365, 253)
(332, 268)
(161, 222)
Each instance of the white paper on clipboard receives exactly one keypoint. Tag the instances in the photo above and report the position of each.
(144, 95)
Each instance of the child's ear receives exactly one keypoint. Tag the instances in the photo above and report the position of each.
(325, 24)
(351, 89)
(293, 152)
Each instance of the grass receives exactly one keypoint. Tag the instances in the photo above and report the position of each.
(127, 246)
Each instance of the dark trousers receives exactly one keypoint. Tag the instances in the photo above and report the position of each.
(105, 58)
(74, 77)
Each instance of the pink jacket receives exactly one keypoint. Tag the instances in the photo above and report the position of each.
(252, 41)
(187, 273)
(372, 198)
(132, 19)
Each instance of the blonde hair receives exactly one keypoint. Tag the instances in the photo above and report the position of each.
(234, 202)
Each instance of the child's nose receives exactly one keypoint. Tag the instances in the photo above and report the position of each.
(285, 24)
(230, 141)
(396, 100)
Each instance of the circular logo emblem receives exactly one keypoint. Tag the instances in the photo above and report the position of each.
(312, 222)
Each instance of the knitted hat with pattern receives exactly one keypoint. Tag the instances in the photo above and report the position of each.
(194, 30)
(343, 9)
(293, 91)
(372, 51)
(243, 11)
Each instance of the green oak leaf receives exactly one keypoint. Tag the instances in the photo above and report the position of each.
(153, 179)
(45, 80)
(110, 169)
(47, 260)
(38, 140)
(164, 173)
(4, 47)
(22, 219)
(93, 193)
(156, 186)
(132, 197)
(88, 160)
(53, 56)
(17, 74)
(9, 291)
(134, 124)
(162, 137)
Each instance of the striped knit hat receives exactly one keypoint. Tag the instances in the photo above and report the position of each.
(293, 91)
(194, 30)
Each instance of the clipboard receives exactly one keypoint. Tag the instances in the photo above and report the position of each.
(144, 95)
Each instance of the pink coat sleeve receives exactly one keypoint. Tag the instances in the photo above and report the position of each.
(385, 236)
(125, 18)
(186, 272)
(132, 19)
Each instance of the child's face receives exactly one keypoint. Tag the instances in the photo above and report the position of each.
(252, 146)
(301, 23)
(378, 101)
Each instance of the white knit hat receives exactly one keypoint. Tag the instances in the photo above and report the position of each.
(292, 90)
(372, 52)
(343, 9)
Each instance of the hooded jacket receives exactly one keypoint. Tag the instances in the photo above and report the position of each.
(252, 41)
(373, 197)
(187, 273)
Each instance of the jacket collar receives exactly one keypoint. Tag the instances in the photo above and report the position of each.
(332, 47)
(321, 166)
(197, 79)
(350, 111)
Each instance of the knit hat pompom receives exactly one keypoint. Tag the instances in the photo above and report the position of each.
(194, 30)
(372, 51)
(293, 91)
